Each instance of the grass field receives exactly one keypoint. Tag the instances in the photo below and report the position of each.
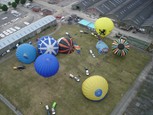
(26, 89)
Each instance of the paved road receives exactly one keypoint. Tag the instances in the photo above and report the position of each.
(12, 107)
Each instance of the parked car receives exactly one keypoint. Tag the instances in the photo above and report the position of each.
(2, 35)
(9, 31)
(47, 109)
(16, 27)
(21, 67)
(12, 29)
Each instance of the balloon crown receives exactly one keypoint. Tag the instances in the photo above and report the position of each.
(102, 32)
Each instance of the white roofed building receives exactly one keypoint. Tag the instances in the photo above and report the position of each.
(25, 33)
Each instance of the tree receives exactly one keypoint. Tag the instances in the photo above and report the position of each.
(4, 8)
(0, 6)
(9, 3)
(17, 1)
(14, 5)
(22, 2)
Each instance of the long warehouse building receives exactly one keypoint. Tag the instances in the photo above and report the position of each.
(25, 33)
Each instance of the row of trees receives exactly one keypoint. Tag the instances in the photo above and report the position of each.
(14, 4)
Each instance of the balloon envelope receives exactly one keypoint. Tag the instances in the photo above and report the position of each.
(102, 47)
(95, 88)
(120, 47)
(66, 45)
(46, 65)
(47, 45)
(26, 53)
(104, 26)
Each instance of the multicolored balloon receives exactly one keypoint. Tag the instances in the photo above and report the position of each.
(95, 88)
(120, 47)
(66, 45)
(26, 53)
(104, 26)
(47, 45)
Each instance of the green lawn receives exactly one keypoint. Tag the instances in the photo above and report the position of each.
(26, 89)
(4, 110)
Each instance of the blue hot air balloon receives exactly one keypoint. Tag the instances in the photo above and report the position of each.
(102, 47)
(46, 65)
(26, 53)
(47, 45)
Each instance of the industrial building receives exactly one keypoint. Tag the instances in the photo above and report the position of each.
(137, 13)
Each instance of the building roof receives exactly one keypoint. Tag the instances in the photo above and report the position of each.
(84, 22)
(108, 6)
(141, 13)
(148, 22)
(127, 8)
(91, 25)
(25, 31)
(87, 23)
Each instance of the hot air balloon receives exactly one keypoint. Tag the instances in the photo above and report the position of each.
(77, 47)
(47, 45)
(120, 47)
(26, 53)
(104, 26)
(95, 88)
(66, 45)
(46, 65)
(102, 47)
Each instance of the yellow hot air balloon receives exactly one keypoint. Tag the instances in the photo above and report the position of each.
(95, 88)
(104, 26)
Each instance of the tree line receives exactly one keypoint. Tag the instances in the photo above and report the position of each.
(14, 4)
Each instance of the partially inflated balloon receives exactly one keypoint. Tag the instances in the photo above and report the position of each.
(104, 26)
